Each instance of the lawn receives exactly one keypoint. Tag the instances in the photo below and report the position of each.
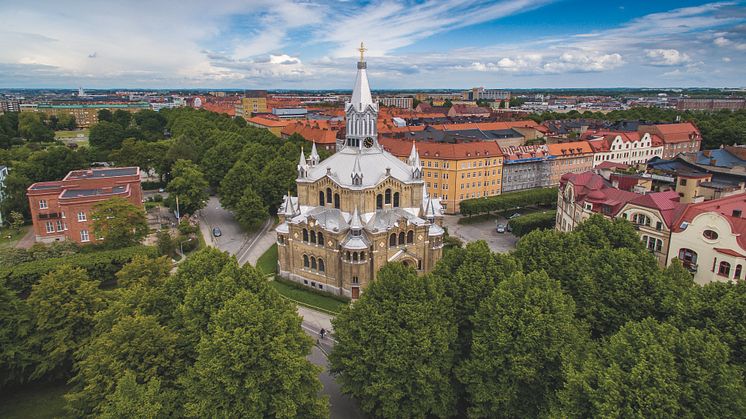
(33, 401)
(307, 298)
(267, 262)
(11, 241)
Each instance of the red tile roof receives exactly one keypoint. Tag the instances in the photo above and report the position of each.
(444, 151)
(569, 149)
(268, 122)
(311, 133)
(724, 207)
(673, 133)
(468, 110)
(588, 186)
(610, 165)
(667, 203)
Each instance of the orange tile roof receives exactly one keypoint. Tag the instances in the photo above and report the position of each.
(443, 151)
(310, 133)
(268, 122)
(567, 149)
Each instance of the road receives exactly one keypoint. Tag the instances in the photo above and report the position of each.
(485, 230)
(247, 248)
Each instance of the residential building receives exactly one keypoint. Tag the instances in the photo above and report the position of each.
(727, 165)
(85, 114)
(292, 113)
(572, 157)
(357, 210)
(322, 135)
(480, 93)
(630, 148)
(654, 216)
(10, 105)
(61, 210)
(710, 239)
(677, 138)
(454, 171)
(274, 125)
(253, 102)
(710, 104)
(396, 101)
(467, 110)
(526, 167)
(698, 187)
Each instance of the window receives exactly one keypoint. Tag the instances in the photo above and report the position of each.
(313, 237)
(682, 182)
(305, 235)
(401, 238)
(84, 235)
(387, 197)
(737, 275)
(321, 199)
(641, 219)
(354, 256)
(43, 204)
(313, 262)
(305, 261)
(336, 200)
(60, 227)
(50, 227)
(320, 238)
(724, 269)
(392, 240)
(396, 199)
(328, 195)
(355, 280)
(379, 201)
(81, 216)
(710, 235)
(410, 236)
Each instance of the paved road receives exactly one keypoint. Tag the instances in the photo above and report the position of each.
(498, 242)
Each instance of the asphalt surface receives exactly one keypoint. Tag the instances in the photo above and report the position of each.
(498, 242)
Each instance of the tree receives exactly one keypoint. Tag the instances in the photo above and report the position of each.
(598, 231)
(395, 347)
(235, 182)
(250, 211)
(652, 369)
(105, 115)
(16, 357)
(252, 363)
(165, 243)
(137, 344)
(189, 185)
(106, 135)
(142, 270)
(119, 223)
(277, 177)
(219, 159)
(131, 399)
(122, 117)
(63, 305)
(15, 199)
(16, 221)
(525, 333)
(32, 127)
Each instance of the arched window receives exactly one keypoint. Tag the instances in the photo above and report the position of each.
(313, 236)
(320, 238)
(305, 261)
(362, 256)
(387, 196)
(313, 262)
(401, 238)
(392, 240)
(737, 275)
(348, 255)
(328, 195)
(724, 269)
(321, 198)
(354, 257)
(305, 235)
(379, 201)
(410, 236)
(396, 199)
(641, 219)
(336, 200)
(322, 268)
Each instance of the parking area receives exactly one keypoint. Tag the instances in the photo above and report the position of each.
(485, 230)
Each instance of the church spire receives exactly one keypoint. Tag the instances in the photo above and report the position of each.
(357, 172)
(361, 96)
(314, 155)
(414, 161)
(302, 165)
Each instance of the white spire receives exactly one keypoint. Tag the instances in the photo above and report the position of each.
(412, 154)
(314, 155)
(414, 161)
(355, 222)
(357, 172)
(302, 164)
(361, 96)
(288, 210)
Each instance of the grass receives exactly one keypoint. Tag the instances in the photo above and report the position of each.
(474, 219)
(307, 298)
(11, 241)
(34, 401)
(267, 263)
(71, 134)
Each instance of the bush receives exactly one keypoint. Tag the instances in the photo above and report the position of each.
(511, 200)
(527, 223)
(100, 265)
(148, 186)
(186, 229)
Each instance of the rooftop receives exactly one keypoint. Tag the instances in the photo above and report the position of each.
(78, 193)
(102, 173)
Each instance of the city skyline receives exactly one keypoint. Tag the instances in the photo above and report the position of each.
(311, 45)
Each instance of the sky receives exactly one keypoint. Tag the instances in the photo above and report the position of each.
(312, 44)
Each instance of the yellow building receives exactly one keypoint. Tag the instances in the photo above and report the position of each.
(454, 172)
(249, 106)
(85, 114)
(274, 126)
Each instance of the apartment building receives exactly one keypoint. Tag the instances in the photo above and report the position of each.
(86, 114)
(630, 148)
(572, 157)
(526, 167)
(677, 138)
(454, 171)
(61, 210)
(396, 102)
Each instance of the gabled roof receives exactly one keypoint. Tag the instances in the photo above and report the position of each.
(594, 189)
(722, 206)
(673, 133)
(569, 149)
(445, 151)
(666, 203)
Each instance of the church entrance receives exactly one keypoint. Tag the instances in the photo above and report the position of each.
(355, 293)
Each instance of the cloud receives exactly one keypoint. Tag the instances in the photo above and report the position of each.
(721, 41)
(666, 57)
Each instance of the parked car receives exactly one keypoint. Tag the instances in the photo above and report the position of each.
(517, 214)
(500, 228)
(216, 232)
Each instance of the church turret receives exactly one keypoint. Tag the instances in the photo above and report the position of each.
(302, 165)
(414, 161)
(314, 159)
(357, 172)
(361, 112)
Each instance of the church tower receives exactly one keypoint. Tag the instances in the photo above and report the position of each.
(361, 112)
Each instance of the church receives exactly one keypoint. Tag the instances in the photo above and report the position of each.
(358, 209)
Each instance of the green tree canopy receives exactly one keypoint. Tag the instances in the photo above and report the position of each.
(240, 176)
(395, 347)
(189, 185)
(106, 135)
(250, 211)
(119, 223)
(131, 399)
(16, 357)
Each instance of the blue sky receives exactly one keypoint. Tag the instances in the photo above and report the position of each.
(412, 44)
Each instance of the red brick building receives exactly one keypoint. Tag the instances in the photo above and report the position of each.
(61, 210)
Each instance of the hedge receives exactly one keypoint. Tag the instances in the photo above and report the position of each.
(510, 200)
(101, 265)
(527, 223)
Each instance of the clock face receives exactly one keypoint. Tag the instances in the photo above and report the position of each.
(368, 142)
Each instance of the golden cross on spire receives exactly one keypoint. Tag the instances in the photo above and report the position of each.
(362, 50)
